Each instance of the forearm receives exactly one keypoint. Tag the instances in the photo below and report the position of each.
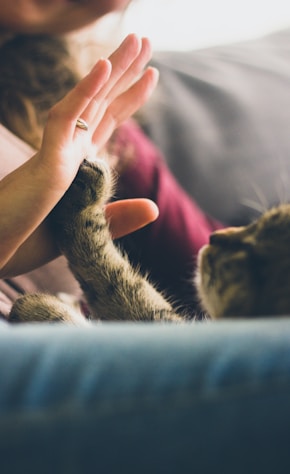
(37, 250)
(27, 197)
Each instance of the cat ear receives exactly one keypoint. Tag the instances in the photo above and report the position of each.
(230, 235)
(223, 236)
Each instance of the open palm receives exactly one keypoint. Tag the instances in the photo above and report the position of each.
(109, 94)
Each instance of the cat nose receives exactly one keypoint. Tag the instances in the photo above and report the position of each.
(220, 237)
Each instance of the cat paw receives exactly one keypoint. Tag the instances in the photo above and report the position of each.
(92, 186)
(45, 309)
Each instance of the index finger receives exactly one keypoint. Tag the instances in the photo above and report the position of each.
(62, 117)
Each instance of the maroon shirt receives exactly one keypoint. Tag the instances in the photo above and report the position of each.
(167, 248)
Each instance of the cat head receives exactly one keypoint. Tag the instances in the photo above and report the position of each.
(245, 271)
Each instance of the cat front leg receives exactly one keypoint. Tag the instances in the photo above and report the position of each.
(114, 290)
(44, 308)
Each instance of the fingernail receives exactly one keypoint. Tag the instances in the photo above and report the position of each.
(100, 63)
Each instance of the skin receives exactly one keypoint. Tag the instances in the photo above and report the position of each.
(109, 94)
(54, 16)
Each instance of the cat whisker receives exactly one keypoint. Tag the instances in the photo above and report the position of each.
(254, 205)
(261, 204)
(282, 187)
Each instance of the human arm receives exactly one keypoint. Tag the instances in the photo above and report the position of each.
(104, 98)
(124, 216)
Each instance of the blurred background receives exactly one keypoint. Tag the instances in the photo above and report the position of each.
(186, 24)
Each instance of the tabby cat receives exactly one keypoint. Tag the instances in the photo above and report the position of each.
(245, 271)
(242, 272)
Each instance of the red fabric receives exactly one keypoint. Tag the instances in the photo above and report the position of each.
(168, 247)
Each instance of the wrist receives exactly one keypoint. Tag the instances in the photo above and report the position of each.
(50, 177)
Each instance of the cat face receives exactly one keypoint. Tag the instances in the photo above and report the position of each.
(245, 271)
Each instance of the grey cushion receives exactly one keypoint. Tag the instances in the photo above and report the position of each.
(222, 118)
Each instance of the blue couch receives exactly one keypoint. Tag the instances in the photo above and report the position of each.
(125, 398)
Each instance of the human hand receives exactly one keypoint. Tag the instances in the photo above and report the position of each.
(108, 95)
